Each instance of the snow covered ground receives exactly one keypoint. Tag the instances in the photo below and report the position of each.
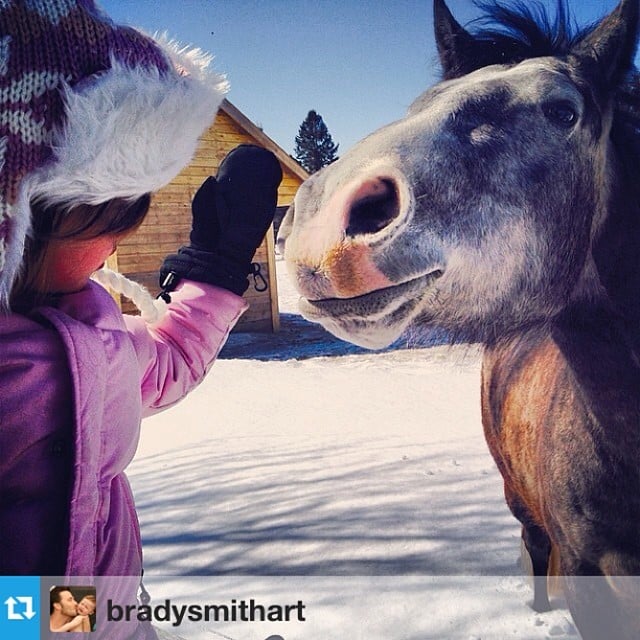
(359, 482)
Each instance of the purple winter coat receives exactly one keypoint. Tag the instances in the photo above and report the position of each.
(75, 381)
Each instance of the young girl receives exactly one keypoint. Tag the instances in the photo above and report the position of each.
(96, 118)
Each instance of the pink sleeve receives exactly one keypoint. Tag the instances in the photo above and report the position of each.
(175, 354)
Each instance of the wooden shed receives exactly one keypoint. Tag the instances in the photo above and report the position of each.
(168, 223)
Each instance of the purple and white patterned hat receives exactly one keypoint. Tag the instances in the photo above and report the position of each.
(89, 111)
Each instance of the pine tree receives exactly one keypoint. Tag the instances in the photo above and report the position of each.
(314, 146)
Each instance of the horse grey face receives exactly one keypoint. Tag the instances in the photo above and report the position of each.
(477, 211)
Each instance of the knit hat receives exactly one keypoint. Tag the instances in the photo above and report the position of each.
(89, 111)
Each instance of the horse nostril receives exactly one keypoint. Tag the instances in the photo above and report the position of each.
(376, 205)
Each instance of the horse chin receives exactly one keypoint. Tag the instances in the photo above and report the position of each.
(373, 320)
(370, 335)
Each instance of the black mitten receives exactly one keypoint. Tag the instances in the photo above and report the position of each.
(231, 214)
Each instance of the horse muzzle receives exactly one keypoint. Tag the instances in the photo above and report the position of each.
(376, 319)
(337, 251)
(331, 244)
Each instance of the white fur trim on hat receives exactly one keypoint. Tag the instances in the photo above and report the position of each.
(127, 132)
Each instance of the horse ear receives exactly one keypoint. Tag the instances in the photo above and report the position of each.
(607, 52)
(454, 43)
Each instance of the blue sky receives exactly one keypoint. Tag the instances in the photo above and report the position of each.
(359, 64)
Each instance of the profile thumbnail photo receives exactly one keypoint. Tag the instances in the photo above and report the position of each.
(72, 608)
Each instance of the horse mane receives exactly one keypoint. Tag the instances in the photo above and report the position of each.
(525, 30)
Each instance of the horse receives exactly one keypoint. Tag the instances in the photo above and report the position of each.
(504, 209)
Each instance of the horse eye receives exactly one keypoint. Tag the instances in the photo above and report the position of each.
(561, 113)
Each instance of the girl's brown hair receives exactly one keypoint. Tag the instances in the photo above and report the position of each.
(62, 222)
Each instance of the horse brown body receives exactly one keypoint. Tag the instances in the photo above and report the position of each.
(560, 409)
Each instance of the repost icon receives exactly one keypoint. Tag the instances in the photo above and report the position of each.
(19, 607)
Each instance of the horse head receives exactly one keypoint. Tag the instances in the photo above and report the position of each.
(480, 211)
